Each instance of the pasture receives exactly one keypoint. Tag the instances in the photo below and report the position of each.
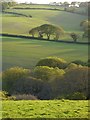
(45, 109)
(15, 24)
(27, 52)
(68, 21)
(38, 6)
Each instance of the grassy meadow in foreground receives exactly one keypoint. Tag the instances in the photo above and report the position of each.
(45, 109)
(27, 52)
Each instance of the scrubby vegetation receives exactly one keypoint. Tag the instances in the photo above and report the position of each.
(70, 81)
(53, 62)
(6, 96)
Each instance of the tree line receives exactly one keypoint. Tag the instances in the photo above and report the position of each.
(6, 4)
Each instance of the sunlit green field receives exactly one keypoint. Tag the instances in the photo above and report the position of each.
(27, 52)
(14, 24)
(45, 109)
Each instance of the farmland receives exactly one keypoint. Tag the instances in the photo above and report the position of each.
(13, 52)
(14, 24)
(45, 109)
(27, 52)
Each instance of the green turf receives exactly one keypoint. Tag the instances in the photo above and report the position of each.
(27, 52)
(45, 109)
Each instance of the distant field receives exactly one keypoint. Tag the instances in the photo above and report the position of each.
(45, 109)
(27, 52)
(38, 6)
(69, 21)
(15, 24)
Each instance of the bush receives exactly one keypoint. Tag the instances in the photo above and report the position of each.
(74, 80)
(25, 97)
(71, 9)
(74, 36)
(53, 62)
(47, 73)
(11, 75)
(32, 86)
(71, 66)
(85, 24)
(88, 63)
(5, 96)
(79, 62)
(76, 96)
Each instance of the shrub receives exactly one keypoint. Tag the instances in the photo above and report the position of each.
(74, 80)
(85, 24)
(11, 75)
(32, 86)
(71, 66)
(74, 36)
(25, 97)
(5, 96)
(76, 96)
(88, 63)
(53, 62)
(79, 62)
(71, 9)
(47, 73)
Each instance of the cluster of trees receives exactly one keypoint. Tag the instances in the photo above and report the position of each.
(73, 3)
(86, 28)
(85, 25)
(52, 78)
(53, 32)
(47, 30)
(50, 31)
(7, 4)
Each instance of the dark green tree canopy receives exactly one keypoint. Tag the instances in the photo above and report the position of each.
(48, 30)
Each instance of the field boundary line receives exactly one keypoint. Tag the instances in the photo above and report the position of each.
(14, 13)
(43, 39)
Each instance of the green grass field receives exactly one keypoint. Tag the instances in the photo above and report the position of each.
(15, 24)
(38, 6)
(69, 21)
(45, 109)
(27, 52)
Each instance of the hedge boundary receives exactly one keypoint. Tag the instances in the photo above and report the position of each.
(55, 9)
(36, 38)
(14, 13)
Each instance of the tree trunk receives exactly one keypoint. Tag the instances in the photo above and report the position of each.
(48, 36)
